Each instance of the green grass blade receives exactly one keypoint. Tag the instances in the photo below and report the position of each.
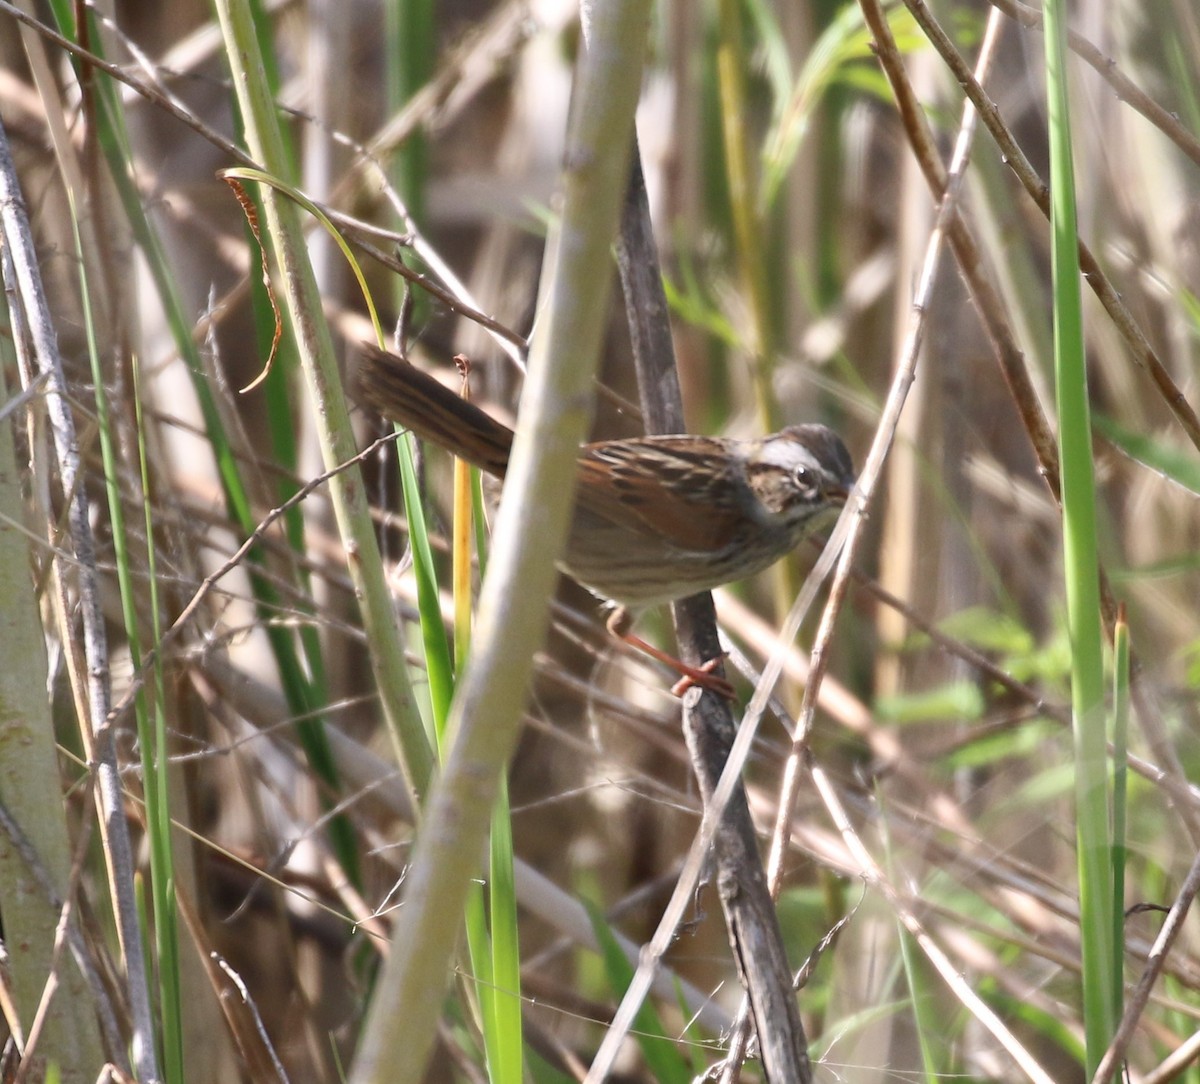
(844, 43)
(505, 1042)
(439, 665)
(412, 43)
(1120, 769)
(667, 1065)
(1080, 561)
(306, 697)
(151, 731)
(501, 1020)
(1178, 465)
(744, 210)
(315, 348)
(158, 814)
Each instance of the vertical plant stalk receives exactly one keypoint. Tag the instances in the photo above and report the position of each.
(409, 55)
(996, 322)
(731, 74)
(530, 533)
(155, 755)
(795, 770)
(1080, 561)
(460, 553)
(1120, 789)
(499, 989)
(148, 710)
(1141, 351)
(949, 969)
(29, 790)
(334, 431)
(1156, 959)
(114, 828)
(750, 917)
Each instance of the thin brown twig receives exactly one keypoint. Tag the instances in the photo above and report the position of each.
(988, 303)
(440, 91)
(38, 346)
(1171, 1068)
(435, 290)
(933, 951)
(233, 561)
(1108, 69)
(905, 370)
(1143, 353)
(993, 314)
(754, 932)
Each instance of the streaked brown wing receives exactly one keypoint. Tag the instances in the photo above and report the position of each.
(666, 485)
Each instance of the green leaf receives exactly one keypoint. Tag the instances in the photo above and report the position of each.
(1177, 464)
(836, 57)
(995, 747)
(988, 630)
(954, 700)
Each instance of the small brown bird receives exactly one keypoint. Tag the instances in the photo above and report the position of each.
(656, 518)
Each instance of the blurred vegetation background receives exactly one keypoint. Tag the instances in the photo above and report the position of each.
(792, 219)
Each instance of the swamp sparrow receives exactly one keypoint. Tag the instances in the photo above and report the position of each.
(656, 518)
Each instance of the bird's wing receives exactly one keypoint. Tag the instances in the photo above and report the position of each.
(682, 499)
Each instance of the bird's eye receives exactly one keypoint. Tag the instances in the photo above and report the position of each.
(805, 479)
